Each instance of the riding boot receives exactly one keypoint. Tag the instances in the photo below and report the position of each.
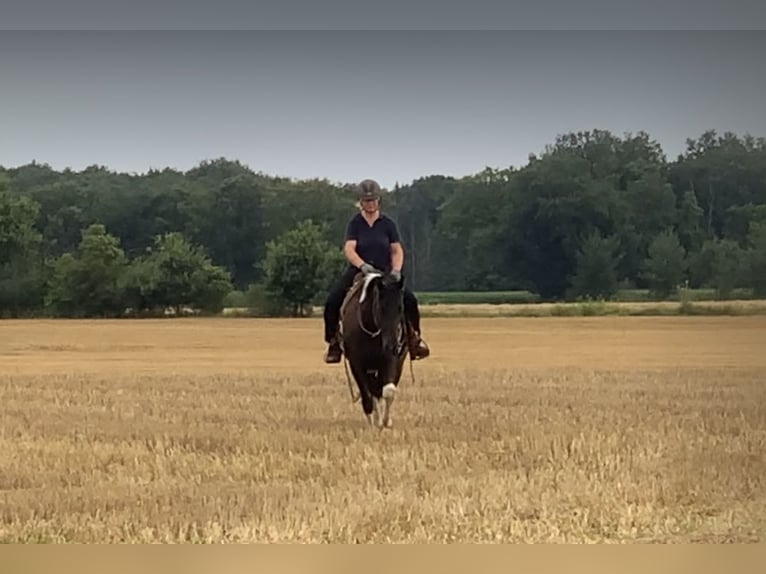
(418, 347)
(333, 353)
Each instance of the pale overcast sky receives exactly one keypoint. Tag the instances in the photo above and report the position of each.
(347, 105)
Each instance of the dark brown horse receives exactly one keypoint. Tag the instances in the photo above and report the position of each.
(373, 338)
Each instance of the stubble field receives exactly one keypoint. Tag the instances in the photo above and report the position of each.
(599, 429)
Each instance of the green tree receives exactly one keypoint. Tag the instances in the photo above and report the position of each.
(17, 219)
(690, 231)
(597, 260)
(21, 270)
(286, 202)
(300, 266)
(664, 266)
(723, 171)
(700, 265)
(556, 201)
(721, 264)
(176, 274)
(728, 267)
(756, 258)
(417, 207)
(63, 214)
(229, 221)
(89, 282)
(652, 204)
(466, 255)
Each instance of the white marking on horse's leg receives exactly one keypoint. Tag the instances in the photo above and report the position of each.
(375, 412)
(389, 393)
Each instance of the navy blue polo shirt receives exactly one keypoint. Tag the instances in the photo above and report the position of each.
(373, 243)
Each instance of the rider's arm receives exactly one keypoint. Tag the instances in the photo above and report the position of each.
(349, 247)
(397, 256)
(350, 251)
(397, 251)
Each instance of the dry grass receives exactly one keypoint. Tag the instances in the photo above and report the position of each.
(517, 430)
(597, 308)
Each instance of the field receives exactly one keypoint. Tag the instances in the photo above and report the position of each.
(576, 429)
(525, 297)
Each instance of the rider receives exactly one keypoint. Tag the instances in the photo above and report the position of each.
(372, 243)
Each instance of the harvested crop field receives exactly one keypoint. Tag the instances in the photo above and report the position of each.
(593, 429)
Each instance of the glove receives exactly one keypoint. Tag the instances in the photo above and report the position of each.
(366, 268)
(396, 275)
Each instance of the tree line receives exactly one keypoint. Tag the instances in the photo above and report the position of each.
(590, 214)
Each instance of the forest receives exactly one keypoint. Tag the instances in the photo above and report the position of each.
(592, 214)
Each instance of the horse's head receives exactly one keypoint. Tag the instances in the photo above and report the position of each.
(389, 305)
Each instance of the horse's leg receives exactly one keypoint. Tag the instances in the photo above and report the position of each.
(383, 396)
(376, 414)
(368, 406)
(389, 394)
(389, 378)
(371, 380)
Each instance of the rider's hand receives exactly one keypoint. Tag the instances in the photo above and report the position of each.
(367, 268)
(396, 275)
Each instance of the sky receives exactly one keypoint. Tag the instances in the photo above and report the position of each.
(346, 105)
(392, 14)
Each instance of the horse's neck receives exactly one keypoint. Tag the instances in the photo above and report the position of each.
(367, 307)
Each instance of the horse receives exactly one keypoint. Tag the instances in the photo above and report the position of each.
(373, 337)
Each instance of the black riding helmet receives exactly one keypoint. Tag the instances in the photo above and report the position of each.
(369, 189)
